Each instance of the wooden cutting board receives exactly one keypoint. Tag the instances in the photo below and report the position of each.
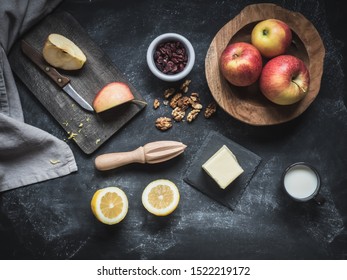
(90, 130)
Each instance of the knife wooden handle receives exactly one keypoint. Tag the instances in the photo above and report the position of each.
(114, 160)
(37, 58)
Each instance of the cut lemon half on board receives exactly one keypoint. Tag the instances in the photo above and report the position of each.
(161, 197)
(109, 205)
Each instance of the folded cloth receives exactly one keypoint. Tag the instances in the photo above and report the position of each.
(27, 154)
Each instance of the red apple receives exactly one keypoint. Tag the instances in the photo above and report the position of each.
(284, 80)
(241, 64)
(112, 95)
(271, 37)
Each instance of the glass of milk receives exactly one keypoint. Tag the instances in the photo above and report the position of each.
(301, 181)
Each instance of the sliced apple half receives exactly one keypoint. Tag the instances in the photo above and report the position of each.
(112, 95)
(62, 53)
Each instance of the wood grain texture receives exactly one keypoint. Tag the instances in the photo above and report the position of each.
(153, 152)
(91, 129)
(247, 104)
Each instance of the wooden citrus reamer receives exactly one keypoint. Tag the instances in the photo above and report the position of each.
(153, 152)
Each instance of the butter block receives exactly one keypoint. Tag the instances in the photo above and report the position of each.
(223, 167)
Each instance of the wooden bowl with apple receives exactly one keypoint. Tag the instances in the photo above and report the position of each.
(247, 103)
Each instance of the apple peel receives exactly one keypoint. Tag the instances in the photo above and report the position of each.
(284, 80)
(112, 95)
(272, 37)
(241, 64)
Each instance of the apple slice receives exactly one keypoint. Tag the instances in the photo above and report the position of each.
(112, 95)
(62, 53)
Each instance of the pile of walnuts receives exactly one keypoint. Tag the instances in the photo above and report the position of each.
(183, 106)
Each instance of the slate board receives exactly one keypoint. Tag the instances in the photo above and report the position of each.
(200, 180)
(92, 129)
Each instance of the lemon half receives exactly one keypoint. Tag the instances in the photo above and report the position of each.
(109, 205)
(161, 197)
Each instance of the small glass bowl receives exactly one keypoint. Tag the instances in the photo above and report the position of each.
(165, 38)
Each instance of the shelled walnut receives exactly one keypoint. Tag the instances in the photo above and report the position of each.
(156, 104)
(180, 101)
(185, 86)
(163, 123)
(169, 92)
(178, 114)
(183, 102)
(174, 100)
(196, 106)
(195, 97)
(192, 115)
(210, 110)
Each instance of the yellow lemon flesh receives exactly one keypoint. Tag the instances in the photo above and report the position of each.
(161, 197)
(109, 205)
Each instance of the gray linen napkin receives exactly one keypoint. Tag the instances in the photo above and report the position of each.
(27, 154)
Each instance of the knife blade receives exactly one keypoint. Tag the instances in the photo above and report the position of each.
(62, 81)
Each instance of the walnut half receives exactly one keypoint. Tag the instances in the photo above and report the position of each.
(163, 123)
(192, 115)
(156, 104)
(169, 92)
(185, 86)
(183, 102)
(210, 110)
(178, 114)
(174, 100)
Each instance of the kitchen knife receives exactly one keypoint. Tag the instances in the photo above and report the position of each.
(62, 81)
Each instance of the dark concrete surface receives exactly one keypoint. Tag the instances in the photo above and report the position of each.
(52, 220)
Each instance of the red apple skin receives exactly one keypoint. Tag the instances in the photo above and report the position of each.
(241, 64)
(284, 80)
(272, 37)
(112, 95)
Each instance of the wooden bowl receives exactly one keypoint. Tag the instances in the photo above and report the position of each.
(248, 104)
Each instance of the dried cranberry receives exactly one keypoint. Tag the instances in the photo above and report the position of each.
(170, 57)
